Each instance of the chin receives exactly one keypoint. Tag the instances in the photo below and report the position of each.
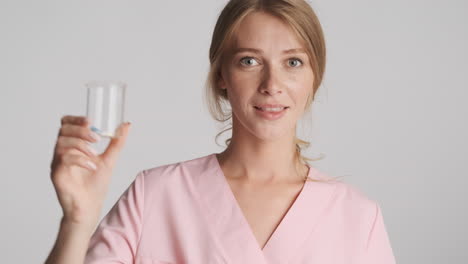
(270, 133)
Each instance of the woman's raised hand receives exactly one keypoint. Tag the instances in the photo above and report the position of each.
(81, 177)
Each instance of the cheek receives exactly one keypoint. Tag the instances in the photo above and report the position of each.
(299, 87)
(244, 78)
(305, 82)
(299, 83)
(242, 84)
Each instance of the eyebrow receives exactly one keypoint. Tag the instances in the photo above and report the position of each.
(289, 51)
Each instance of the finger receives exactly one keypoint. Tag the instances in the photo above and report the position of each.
(84, 133)
(64, 143)
(61, 152)
(78, 160)
(116, 143)
(76, 120)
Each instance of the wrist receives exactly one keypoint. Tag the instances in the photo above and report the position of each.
(70, 226)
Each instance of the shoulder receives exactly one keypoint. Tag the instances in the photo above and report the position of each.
(350, 200)
(352, 194)
(354, 198)
(165, 174)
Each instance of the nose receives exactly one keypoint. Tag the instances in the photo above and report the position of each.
(271, 81)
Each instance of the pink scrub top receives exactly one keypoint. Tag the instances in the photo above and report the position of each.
(185, 212)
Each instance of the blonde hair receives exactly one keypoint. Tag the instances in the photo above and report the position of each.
(299, 15)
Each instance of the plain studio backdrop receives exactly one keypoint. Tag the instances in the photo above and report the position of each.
(391, 115)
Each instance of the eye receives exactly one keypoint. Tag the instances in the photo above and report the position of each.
(295, 59)
(249, 61)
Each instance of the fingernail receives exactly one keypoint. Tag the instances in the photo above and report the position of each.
(95, 136)
(91, 149)
(91, 165)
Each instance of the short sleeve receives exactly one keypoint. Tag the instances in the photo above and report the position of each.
(117, 236)
(378, 248)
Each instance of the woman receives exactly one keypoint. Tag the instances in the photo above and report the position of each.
(258, 201)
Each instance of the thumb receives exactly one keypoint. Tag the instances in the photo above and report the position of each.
(116, 144)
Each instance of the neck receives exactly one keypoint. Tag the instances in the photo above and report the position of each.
(253, 160)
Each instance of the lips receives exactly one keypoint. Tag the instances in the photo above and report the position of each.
(271, 115)
(263, 106)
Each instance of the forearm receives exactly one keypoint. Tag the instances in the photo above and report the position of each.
(71, 244)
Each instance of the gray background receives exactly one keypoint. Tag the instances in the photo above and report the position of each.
(391, 114)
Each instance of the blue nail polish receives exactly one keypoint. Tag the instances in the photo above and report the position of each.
(94, 129)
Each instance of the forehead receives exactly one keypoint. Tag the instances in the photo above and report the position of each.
(265, 31)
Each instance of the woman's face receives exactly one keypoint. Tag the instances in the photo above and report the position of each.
(276, 73)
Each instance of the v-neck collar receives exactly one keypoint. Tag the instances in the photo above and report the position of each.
(234, 234)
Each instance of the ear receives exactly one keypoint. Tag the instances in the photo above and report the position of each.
(221, 82)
